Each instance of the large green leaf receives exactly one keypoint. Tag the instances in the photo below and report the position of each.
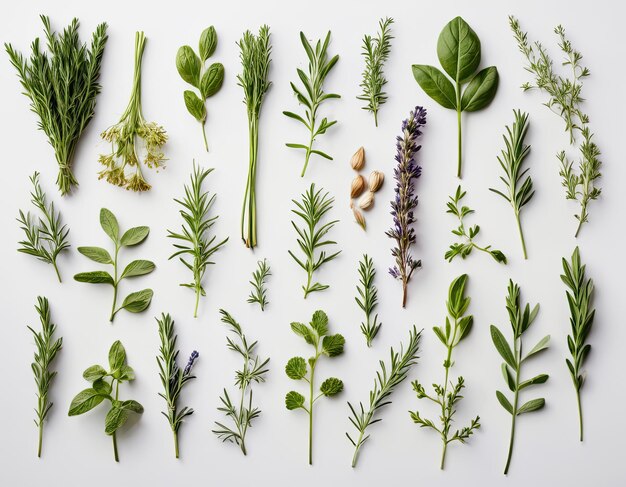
(188, 65)
(109, 224)
(208, 43)
(480, 90)
(115, 419)
(138, 268)
(458, 50)
(134, 236)
(296, 368)
(332, 345)
(435, 84)
(96, 254)
(212, 80)
(117, 356)
(138, 301)
(319, 322)
(85, 401)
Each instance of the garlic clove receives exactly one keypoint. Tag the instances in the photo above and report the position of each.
(376, 180)
(358, 159)
(366, 201)
(357, 187)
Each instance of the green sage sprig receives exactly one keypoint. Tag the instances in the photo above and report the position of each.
(135, 302)
(259, 277)
(368, 299)
(105, 385)
(447, 395)
(316, 335)
(521, 317)
(46, 237)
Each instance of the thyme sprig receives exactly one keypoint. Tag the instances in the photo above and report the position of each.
(368, 299)
(259, 277)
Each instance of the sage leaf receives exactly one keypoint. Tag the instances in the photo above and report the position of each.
(504, 402)
(539, 379)
(208, 43)
(458, 49)
(96, 254)
(138, 268)
(532, 405)
(481, 90)
(85, 401)
(195, 105)
(109, 224)
(296, 368)
(435, 84)
(117, 356)
(138, 301)
(294, 400)
(95, 277)
(502, 346)
(212, 80)
(94, 373)
(134, 236)
(188, 65)
(331, 387)
(541, 345)
(115, 419)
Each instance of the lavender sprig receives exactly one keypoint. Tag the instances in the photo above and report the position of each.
(405, 200)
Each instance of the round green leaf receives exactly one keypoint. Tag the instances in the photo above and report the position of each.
(331, 386)
(294, 400)
(435, 84)
(458, 50)
(332, 345)
(296, 368)
(188, 65)
(481, 90)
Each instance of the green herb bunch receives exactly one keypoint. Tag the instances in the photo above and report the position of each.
(313, 82)
(316, 335)
(448, 394)
(582, 313)
(207, 81)
(46, 237)
(312, 208)
(124, 138)
(521, 317)
(519, 189)
(255, 52)
(386, 381)
(467, 235)
(253, 371)
(47, 349)
(195, 242)
(259, 277)
(62, 86)
(368, 299)
(376, 51)
(105, 385)
(135, 302)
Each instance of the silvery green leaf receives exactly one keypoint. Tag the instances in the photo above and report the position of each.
(96, 254)
(138, 268)
(134, 236)
(504, 402)
(138, 301)
(109, 224)
(532, 405)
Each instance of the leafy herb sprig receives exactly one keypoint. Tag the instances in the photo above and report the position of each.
(172, 377)
(47, 349)
(253, 371)
(194, 241)
(316, 335)
(259, 278)
(376, 51)
(135, 302)
(448, 394)
(582, 313)
(399, 365)
(465, 247)
(105, 385)
(521, 317)
(368, 299)
(312, 98)
(519, 189)
(46, 237)
(62, 86)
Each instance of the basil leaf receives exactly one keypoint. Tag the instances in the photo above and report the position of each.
(85, 401)
(435, 84)
(480, 90)
(117, 356)
(95, 277)
(296, 368)
(458, 50)
(115, 419)
(126, 373)
(294, 400)
(94, 373)
(138, 301)
(208, 43)
(109, 224)
(134, 236)
(138, 268)
(331, 387)
(96, 254)
(212, 80)
(188, 65)
(195, 105)
(132, 405)
(102, 387)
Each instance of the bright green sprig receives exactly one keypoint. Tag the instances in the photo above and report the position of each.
(368, 299)
(259, 277)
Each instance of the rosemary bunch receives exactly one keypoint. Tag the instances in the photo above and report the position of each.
(368, 299)
(47, 348)
(376, 52)
(311, 209)
(255, 58)
(259, 276)
(195, 242)
(399, 365)
(47, 237)
(253, 371)
(62, 87)
(313, 95)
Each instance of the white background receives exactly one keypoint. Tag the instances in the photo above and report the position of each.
(547, 452)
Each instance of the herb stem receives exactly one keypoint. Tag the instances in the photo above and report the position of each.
(580, 224)
(195, 310)
(458, 118)
(515, 403)
(56, 269)
(115, 282)
(115, 454)
(206, 144)
(40, 439)
(176, 443)
(521, 234)
(313, 363)
(580, 414)
(444, 405)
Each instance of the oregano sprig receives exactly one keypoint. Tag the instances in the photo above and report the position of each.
(259, 277)
(368, 299)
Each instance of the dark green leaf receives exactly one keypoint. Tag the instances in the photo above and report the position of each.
(94, 373)
(188, 65)
(102, 387)
(458, 49)
(133, 406)
(294, 400)
(435, 84)
(208, 43)
(332, 345)
(85, 401)
(331, 386)
(94, 277)
(296, 368)
(480, 90)
(115, 419)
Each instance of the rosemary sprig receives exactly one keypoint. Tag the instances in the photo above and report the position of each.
(311, 209)
(582, 313)
(62, 86)
(47, 348)
(376, 51)
(313, 95)
(519, 190)
(399, 365)
(259, 277)
(172, 377)
(467, 235)
(47, 237)
(195, 242)
(253, 371)
(368, 299)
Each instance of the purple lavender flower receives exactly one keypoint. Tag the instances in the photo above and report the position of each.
(192, 358)
(405, 200)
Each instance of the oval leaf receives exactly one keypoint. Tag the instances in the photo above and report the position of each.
(188, 65)
(85, 401)
(96, 254)
(134, 236)
(117, 356)
(541, 345)
(115, 419)
(458, 50)
(435, 84)
(195, 105)
(133, 406)
(208, 43)
(138, 268)
(102, 387)
(94, 373)
(502, 346)
(139, 301)
(481, 90)
(504, 402)
(109, 224)
(296, 368)
(94, 277)
(294, 400)
(539, 379)
(331, 386)
(532, 405)
(212, 80)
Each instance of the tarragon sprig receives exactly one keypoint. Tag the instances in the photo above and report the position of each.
(259, 277)
(368, 299)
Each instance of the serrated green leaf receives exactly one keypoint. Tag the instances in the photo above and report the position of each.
(332, 345)
(294, 400)
(331, 387)
(319, 322)
(304, 331)
(296, 368)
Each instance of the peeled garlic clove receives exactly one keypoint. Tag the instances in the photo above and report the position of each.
(358, 216)
(358, 159)
(357, 187)
(366, 201)
(376, 180)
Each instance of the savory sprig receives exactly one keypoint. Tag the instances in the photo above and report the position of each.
(62, 86)
(521, 317)
(172, 377)
(259, 278)
(193, 240)
(465, 247)
(312, 208)
(253, 371)
(316, 335)
(368, 299)
(447, 395)
(47, 349)
(46, 237)
(399, 365)
(106, 385)
(313, 95)
(135, 302)
(519, 189)
(582, 313)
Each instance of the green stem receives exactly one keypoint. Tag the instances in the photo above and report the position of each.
(248, 228)
(206, 144)
(443, 454)
(580, 224)
(446, 419)
(115, 281)
(306, 161)
(311, 412)
(195, 310)
(117, 458)
(376, 117)
(521, 234)
(40, 439)
(56, 269)
(580, 414)
(176, 443)
(458, 117)
(514, 415)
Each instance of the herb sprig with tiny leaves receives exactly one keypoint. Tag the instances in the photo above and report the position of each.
(259, 277)
(368, 299)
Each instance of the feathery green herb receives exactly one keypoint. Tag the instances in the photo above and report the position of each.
(316, 335)
(521, 318)
(253, 371)
(106, 385)
(62, 87)
(135, 302)
(46, 237)
(448, 394)
(368, 299)
(259, 277)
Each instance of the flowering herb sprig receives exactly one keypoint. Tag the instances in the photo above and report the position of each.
(368, 299)
(405, 201)
(172, 377)
(259, 277)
